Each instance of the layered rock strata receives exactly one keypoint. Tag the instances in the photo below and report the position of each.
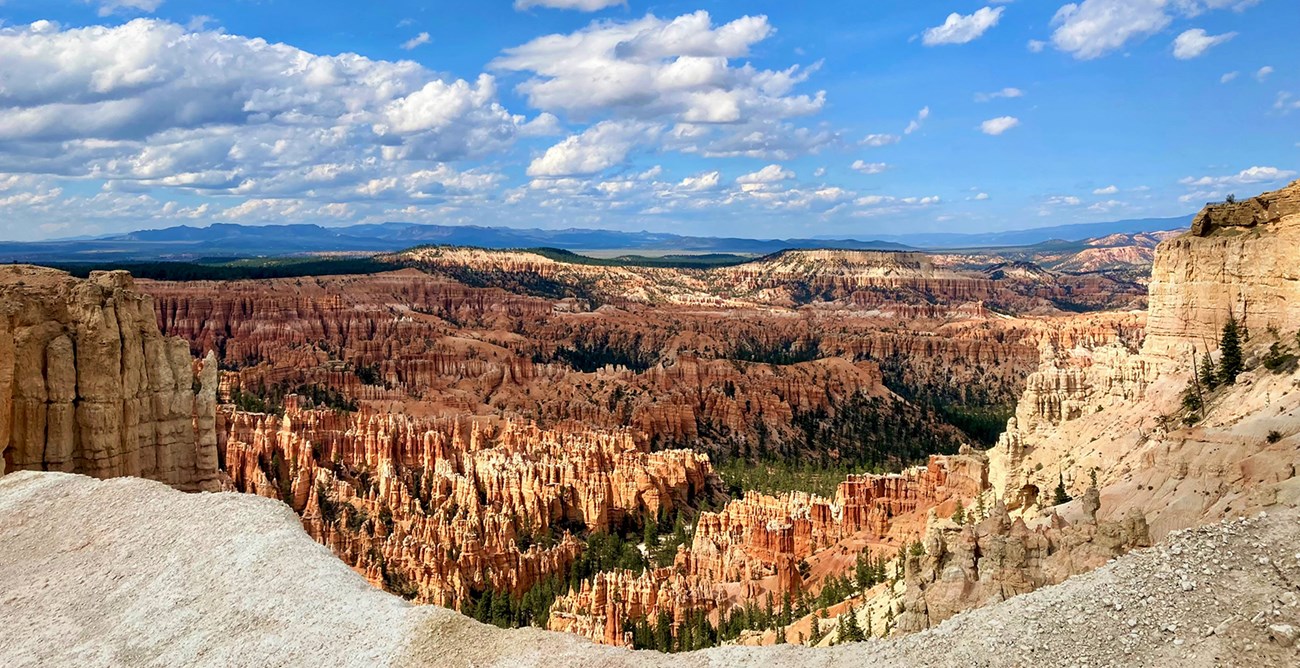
(89, 385)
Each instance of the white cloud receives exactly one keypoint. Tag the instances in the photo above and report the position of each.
(419, 40)
(579, 5)
(981, 197)
(819, 172)
(1093, 28)
(1262, 73)
(878, 140)
(1285, 103)
(700, 182)
(1229, 77)
(915, 125)
(999, 125)
(770, 174)
(958, 29)
(1097, 27)
(1108, 190)
(676, 72)
(1195, 42)
(869, 167)
(1036, 46)
(1064, 200)
(1005, 93)
(1249, 176)
(599, 147)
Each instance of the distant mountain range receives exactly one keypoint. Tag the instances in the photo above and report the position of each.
(229, 240)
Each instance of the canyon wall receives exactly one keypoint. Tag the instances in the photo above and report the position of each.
(1240, 258)
(89, 385)
(1120, 413)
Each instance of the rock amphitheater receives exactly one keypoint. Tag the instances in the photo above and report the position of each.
(450, 442)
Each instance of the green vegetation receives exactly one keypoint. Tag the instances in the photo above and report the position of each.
(872, 433)
(1230, 360)
(703, 261)
(1061, 496)
(270, 400)
(591, 352)
(979, 409)
(1279, 359)
(1274, 436)
(780, 352)
(225, 270)
(777, 476)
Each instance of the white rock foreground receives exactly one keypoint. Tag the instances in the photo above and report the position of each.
(128, 572)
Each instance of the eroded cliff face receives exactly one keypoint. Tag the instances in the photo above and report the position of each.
(89, 385)
(440, 510)
(1117, 412)
(988, 560)
(1239, 259)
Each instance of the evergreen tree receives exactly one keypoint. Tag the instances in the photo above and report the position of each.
(1062, 496)
(1230, 361)
(852, 630)
(959, 515)
(1207, 374)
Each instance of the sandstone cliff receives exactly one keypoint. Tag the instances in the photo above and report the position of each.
(1116, 411)
(89, 385)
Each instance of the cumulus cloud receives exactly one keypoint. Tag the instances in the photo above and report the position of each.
(579, 5)
(981, 197)
(677, 73)
(999, 125)
(150, 104)
(1108, 190)
(699, 182)
(959, 29)
(1005, 93)
(1262, 73)
(1195, 42)
(1036, 45)
(1248, 176)
(594, 150)
(770, 174)
(1230, 76)
(1094, 28)
(419, 40)
(868, 167)
(1064, 200)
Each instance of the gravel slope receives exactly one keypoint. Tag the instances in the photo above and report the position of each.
(128, 572)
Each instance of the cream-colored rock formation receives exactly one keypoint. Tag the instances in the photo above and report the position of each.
(89, 385)
(1112, 410)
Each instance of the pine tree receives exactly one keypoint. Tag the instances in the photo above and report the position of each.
(1062, 496)
(1207, 374)
(959, 515)
(1230, 361)
(852, 630)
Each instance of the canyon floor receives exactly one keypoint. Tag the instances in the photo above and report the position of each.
(139, 574)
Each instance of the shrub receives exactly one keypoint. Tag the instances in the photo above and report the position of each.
(1274, 436)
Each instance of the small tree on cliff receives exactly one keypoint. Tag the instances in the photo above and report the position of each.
(1230, 362)
(1208, 376)
(1062, 496)
(959, 515)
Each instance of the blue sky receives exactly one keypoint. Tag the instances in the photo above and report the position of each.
(711, 117)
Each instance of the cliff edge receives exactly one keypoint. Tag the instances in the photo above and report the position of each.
(89, 385)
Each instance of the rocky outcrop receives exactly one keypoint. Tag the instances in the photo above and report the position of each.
(992, 559)
(89, 385)
(1117, 412)
(441, 510)
(1239, 260)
